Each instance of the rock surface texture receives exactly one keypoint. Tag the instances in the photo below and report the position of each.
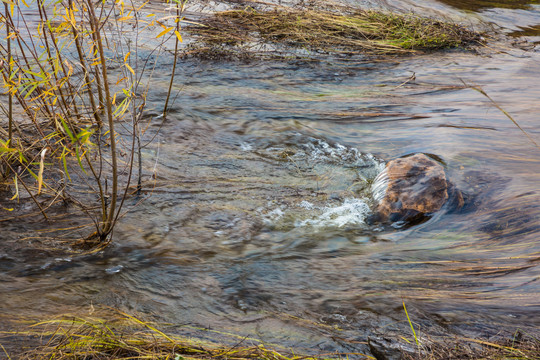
(415, 186)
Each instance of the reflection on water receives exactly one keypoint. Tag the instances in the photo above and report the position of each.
(530, 31)
(506, 16)
(478, 5)
(256, 217)
(519, 18)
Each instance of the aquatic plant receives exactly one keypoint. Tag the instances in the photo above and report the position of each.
(342, 30)
(113, 334)
(73, 71)
(180, 7)
(123, 336)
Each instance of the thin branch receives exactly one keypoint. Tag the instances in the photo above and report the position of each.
(481, 91)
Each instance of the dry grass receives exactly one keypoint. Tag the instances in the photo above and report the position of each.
(116, 335)
(520, 347)
(122, 336)
(355, 32)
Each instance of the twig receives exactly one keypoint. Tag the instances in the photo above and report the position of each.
(481, 91)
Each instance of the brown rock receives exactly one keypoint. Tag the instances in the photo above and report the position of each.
(415, 185)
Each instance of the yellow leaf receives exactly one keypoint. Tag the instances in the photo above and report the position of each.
(120, 80)
(70, 17)
(164, 32)
(126, 57)
(178, 35)
(121, 2)
(16, 196)
(130, 69)
(140, 7)
(124, 18)
(70, 68)
(41, 168)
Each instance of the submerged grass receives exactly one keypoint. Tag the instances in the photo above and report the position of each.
(348, 31)
(122, 336)
(521, 347)
(116, 335)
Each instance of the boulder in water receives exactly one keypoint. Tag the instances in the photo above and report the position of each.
(410, 188)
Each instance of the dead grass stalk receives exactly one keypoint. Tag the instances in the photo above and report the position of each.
(356, 31)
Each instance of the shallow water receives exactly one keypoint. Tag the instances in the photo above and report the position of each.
(255, 223)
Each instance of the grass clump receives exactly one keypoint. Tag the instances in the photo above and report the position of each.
(122, 336)
(520, 347)
(355, 31)
(112, 334)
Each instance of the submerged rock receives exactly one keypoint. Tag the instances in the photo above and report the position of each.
(389, 349)
(411, 188)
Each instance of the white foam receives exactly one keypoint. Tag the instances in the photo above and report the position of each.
(307, 205)
(340, 167)
(273, 215)
(352, 211)
(245, 146)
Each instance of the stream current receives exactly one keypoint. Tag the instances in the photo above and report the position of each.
(255, 223)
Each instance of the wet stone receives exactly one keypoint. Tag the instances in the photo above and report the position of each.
(383, 348)
(410, 188)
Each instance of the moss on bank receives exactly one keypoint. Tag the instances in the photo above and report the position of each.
(349, 31)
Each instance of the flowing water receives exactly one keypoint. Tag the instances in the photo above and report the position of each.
(256, 221)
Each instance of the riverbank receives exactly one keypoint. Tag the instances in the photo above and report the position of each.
(109, 334)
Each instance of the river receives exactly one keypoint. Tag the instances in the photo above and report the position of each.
(255, 223)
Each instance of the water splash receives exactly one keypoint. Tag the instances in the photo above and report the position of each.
(379, 186)
(337, 178)
(273, 216)
(352, 212)
(318, 151)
